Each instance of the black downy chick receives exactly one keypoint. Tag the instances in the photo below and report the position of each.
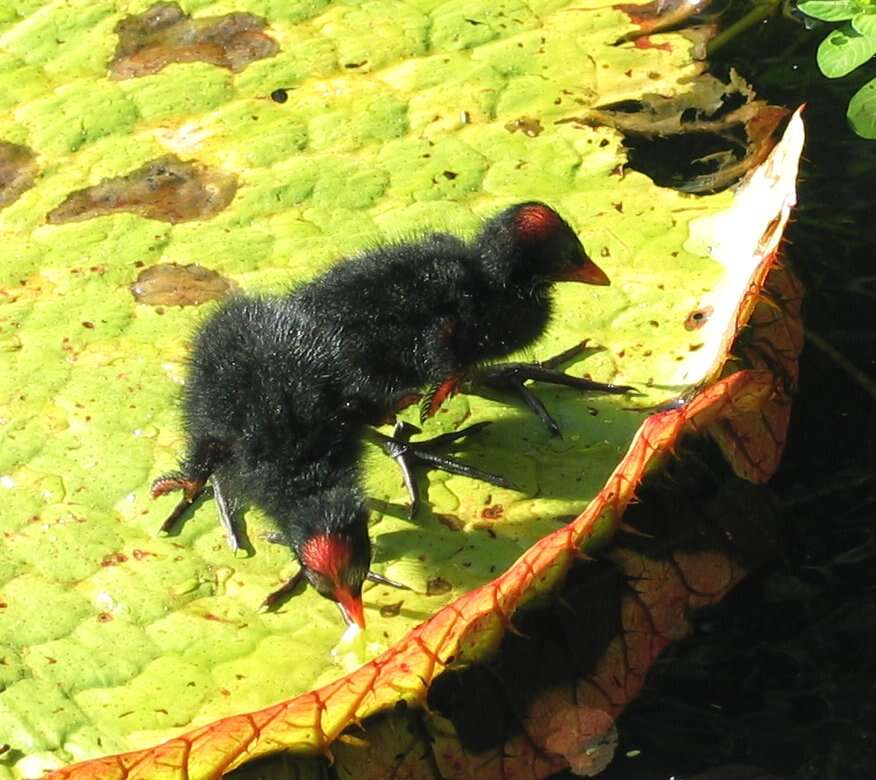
(433, 312)
(266, 427)
(281, 390)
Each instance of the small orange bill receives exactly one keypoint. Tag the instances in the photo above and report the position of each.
(354, 610)
(589, 273)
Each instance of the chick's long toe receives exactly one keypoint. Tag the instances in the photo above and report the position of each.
(407, 453)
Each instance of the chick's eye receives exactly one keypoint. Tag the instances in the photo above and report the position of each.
(319, 581)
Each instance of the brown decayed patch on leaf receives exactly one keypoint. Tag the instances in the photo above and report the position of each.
(453, 522)
(646, 42)
(438, 587)
(700, 36)
(18, 170)
(171, 284)
(526, 125)
(492, 512)
(164, 34)
(167, 189)
(693, 111)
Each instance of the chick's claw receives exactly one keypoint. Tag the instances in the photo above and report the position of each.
(175, 480)
(511, 377)
(406, 453)
(566, 355)
(279, 595)
(373, 576)
(226, 515)
(168, 483)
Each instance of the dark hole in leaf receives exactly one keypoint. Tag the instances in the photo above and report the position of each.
(171, 284)
(699, 317)
(164, 34)
(18, 170)
(673, 161)
(703, 140)
(688, 115)
(168, 189)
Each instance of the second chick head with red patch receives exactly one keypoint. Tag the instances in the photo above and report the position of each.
(335, 551)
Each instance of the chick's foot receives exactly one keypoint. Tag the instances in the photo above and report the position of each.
(407, 453)
(511, 377)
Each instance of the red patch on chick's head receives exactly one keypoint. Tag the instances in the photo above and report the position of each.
(326, 554)
(329, 556)
(536, 222)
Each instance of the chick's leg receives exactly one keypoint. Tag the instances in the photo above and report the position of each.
(280, 594)
(204, 458)
(511, 377)
(407, 453)
(226, 513)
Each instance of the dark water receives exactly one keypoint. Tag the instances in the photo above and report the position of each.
(782, 675)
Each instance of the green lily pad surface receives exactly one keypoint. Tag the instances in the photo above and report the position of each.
(387, 119)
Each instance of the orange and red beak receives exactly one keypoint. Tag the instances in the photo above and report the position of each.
(351, 607)
(587, 273)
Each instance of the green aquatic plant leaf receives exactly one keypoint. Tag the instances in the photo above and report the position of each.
(831, 10)
(844, 50)
(370, 122)
(865, 23)
(862, 110)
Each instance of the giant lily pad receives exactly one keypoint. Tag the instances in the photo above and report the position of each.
(370, 122)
